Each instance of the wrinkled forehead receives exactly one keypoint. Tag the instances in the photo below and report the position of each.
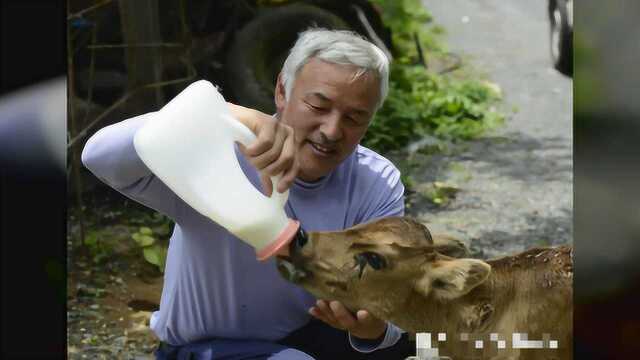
(401, 231)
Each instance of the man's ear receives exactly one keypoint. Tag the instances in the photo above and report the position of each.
(450, 279)
(280, 95)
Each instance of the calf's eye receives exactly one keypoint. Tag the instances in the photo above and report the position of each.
(376, 261)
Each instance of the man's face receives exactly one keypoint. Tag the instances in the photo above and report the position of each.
(329, 112)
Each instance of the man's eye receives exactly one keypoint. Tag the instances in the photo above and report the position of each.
(315, 108)
(355, 122)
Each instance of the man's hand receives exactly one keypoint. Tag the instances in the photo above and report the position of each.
(363, 325)
(273, 152)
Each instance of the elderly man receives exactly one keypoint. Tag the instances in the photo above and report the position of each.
(218, 301)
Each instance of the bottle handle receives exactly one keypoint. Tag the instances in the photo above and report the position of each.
(244, 135)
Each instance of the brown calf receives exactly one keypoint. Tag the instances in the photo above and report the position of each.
(396, 270)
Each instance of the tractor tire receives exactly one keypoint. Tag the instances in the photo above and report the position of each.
(347, 11)
(260, 48)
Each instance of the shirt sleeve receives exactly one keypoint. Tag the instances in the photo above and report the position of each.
(386, 196)
(111, 156)
(391, 337)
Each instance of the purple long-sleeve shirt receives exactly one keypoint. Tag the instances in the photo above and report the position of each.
(213, 284)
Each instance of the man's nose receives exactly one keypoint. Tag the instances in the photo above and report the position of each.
(331, 127)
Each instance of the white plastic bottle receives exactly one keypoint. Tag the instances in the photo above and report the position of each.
(189, 145)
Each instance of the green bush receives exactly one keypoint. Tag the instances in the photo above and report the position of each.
(406, 18)
(422, 102)
(152, 240)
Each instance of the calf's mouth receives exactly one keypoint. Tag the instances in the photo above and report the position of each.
(319, 285)
(291, 272)
(337, 284)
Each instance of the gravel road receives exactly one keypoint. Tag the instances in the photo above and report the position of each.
(516, 183)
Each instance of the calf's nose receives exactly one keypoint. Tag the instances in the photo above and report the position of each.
(295, 245)
(298, 242)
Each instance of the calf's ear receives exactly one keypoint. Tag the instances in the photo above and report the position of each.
(450, 246)
(449, 279)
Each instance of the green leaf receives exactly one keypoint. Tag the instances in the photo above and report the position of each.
(91, 239)
(143, 240)
(164, 229)
(157, 255)
(146, 230)
(153, 255)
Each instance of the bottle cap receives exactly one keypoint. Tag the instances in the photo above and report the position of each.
(280, 245)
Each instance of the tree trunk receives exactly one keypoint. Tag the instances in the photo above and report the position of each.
(140, 25)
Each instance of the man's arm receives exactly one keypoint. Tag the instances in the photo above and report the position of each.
(110, 155)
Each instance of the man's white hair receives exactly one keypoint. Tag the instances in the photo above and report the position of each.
(338, 47)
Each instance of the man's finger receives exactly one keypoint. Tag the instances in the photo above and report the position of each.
(323, 307)
(267, 184)
(288, 177)
(324, 317)
(286, 166)
(342, 315)
(369, 325)
(318, 314)
(291, 172)
(265, 139)
(363, 316)
(281, 164)
(271, 154)
(315, 312)
(243, 149)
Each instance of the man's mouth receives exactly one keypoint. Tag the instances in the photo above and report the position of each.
(322, 150)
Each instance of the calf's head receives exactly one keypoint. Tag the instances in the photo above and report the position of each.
(378, 265)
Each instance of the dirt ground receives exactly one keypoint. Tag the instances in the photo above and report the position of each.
(109, 302)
